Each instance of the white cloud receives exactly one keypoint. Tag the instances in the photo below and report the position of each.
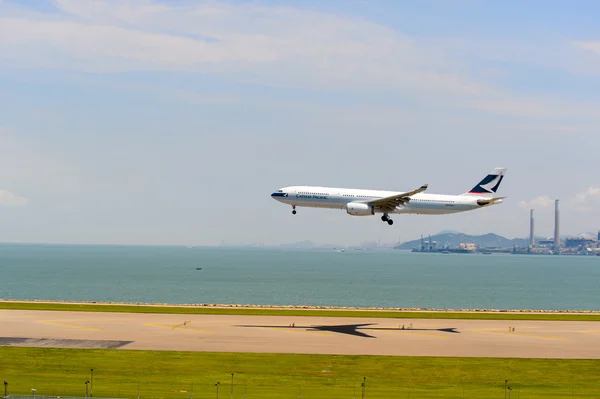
(28, 161)
(541, 201)
(567, 129)
(327, 52)
(593, 46)
(591, 192)
(583, 201)
(9, 199)
(281, 46)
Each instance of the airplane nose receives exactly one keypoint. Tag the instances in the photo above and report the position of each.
(278, 195)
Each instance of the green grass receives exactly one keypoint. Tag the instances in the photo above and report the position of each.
(171, 374)
(297, 312)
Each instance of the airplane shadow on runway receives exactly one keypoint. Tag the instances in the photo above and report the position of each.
(353, 329)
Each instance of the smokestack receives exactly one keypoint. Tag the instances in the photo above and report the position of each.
(556, 226)
(531, 229)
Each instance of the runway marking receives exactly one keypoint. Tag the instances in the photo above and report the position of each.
(97, 321)
(69, 325)
(203, 322)
(430, 335)
(179, 327)
(590, 332)
(519, 334)
(299, 330)
(409, 332)
(505, 329)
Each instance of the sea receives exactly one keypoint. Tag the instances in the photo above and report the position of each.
(260, 276)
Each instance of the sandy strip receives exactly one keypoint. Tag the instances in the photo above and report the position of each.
(337, 335)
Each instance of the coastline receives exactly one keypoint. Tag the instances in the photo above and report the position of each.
(299, 307)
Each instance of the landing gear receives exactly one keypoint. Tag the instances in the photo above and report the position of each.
(386, 218)
(293, 209)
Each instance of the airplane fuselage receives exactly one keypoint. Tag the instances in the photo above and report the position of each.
(357, 202)
(339, 198)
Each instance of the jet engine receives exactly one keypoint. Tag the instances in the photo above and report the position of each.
(359, 209)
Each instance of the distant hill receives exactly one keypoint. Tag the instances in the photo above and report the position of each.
(449, 232)
(489, 240)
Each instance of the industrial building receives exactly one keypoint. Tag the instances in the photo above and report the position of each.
(582, 240)
(583, 244)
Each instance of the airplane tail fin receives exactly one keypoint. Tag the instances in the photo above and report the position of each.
(489, 185)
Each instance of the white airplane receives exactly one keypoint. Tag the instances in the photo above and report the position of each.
(369, 202)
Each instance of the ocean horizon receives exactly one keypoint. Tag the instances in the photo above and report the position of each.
(296, 277)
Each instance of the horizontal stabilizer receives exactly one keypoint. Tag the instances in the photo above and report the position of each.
(489, 201)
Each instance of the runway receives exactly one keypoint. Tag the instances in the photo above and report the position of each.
(308, 335)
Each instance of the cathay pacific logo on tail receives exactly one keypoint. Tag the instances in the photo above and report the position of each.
(488, 185)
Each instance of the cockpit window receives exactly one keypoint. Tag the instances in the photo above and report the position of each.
(279, 191)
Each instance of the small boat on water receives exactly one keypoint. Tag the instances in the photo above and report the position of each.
(198, 268)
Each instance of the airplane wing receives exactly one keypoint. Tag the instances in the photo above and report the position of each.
(390, 203)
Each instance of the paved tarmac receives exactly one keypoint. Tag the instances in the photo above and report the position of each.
(316, 335)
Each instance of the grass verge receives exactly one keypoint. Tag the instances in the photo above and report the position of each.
(117, 373)
(297, 312)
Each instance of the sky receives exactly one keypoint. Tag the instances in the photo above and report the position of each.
(149, 122)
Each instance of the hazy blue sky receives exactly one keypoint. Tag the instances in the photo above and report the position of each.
(172, 122)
